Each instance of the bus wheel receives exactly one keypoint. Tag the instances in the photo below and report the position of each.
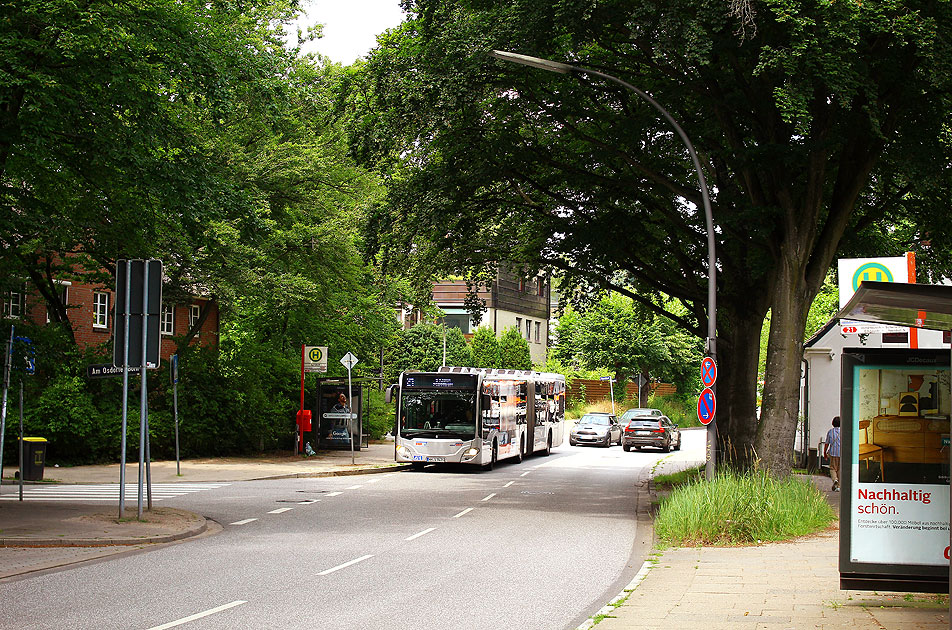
(548, 445)
(522, 449)
(492, 462)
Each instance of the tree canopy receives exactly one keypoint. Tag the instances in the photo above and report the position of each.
(817, 124)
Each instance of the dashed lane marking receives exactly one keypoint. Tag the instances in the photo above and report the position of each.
(418, 534)
(488, 497)
(280, 510)
(206, 613)
(466, 511)
(345, 565)
(244, 522)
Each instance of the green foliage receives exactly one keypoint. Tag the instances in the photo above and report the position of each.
(682, 409)
(378, 415)
(485, 348)
(741, 509)
(421, 348)
(819, 126)
(514, 350)
(617, 336)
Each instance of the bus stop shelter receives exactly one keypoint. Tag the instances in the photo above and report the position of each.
(915, 305)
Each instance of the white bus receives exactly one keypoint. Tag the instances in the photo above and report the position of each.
(476, 416)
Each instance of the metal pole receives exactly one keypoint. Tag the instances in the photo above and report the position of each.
(350, 416)
(300, 419)
(142, 387)
(125, 390)
(178, 470)
(21, 439)
(444, 343)
(148, 462)
(711, 341)
(6, 386)
(611, 390)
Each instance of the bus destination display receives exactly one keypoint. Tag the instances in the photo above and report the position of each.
(440, 381)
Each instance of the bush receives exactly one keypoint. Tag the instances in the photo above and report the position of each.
(741, 509)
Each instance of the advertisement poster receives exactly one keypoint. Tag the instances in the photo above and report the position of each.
(900, 465)
(335, 409)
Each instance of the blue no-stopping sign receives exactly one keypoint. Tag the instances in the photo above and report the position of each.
(706, 406)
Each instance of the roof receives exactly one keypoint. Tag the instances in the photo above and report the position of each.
(917, 305)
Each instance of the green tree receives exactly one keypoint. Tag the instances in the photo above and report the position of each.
(514, 350)
(421, 348)
(816, 124)
(485, 348)
(628, 340)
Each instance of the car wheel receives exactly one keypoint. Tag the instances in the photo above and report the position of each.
(626, 448)
(608, 441)
(571, 442)
(666, 448)
(678, 447)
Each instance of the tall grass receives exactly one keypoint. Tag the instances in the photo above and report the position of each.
(741, 509)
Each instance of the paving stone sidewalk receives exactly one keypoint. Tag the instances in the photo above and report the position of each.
(777, 586)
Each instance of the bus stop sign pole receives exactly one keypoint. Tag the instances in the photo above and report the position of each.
(349, 361)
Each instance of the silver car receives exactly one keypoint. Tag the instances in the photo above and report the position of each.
(596, 428)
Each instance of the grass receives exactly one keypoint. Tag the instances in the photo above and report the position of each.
(680, 478)
(738, 509)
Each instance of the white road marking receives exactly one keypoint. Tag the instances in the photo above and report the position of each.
(373, 481)
(509, 484)
(489, 497)
(106, 492)
(354, 487)
(211, 611)
(244, 522)
(423, 533)
(346, 564)
(466, 511)
(334, 494)
(280, 510)
(525, 473)
(308, 502)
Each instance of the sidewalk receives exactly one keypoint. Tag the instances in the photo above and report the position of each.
(37, 535)
(779, 586)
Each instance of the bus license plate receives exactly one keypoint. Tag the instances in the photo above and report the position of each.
(436, 459)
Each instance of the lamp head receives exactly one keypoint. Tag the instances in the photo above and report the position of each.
(532, 62)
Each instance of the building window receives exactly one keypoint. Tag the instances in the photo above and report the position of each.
(13, 304)
(64, 298)
(100, 309)
(167, 324)
(528, 330)
(538, 332)
(540, 282)
(519, 325)
(522, 285)
(194, 312)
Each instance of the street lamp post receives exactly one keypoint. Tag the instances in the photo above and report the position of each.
(710, 342)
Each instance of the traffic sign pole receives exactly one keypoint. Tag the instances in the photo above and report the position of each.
(706, 410)
(349, 361)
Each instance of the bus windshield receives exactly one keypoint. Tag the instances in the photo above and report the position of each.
(433, 413)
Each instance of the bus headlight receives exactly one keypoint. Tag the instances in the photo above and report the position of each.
(471, 453)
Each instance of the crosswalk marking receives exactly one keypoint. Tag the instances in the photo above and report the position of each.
(102, 492)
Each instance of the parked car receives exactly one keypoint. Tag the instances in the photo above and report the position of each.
(596, 428)
(651, 430)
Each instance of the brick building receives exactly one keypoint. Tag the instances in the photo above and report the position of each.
(91, 307)
(510, 301)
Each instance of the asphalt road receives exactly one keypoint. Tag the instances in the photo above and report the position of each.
(542, 544)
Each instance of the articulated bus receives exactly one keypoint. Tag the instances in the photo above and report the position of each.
(476, 416)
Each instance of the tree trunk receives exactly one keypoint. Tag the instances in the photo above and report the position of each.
(736, 388)
(776, 430)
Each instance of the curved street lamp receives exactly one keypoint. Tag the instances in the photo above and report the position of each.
(710, 342)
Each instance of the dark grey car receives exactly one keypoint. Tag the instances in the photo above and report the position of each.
(651, 430)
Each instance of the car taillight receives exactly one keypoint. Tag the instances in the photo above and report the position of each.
(660, 428)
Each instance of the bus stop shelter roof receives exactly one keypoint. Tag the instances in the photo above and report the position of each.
(917, 305)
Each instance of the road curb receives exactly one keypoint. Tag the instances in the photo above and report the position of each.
(199, 528)
(335, 473)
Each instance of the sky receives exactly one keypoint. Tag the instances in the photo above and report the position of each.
(350, 26)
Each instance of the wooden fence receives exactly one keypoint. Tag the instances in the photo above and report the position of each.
(600, 390)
